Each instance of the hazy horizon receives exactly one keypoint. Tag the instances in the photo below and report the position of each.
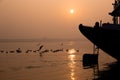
(52, 19)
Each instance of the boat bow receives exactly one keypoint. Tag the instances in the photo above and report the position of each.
(107, 40)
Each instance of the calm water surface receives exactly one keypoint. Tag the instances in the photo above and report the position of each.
(56, 60)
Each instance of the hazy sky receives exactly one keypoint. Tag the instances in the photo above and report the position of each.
(30, 19)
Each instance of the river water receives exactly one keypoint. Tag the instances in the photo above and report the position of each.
(51, 60)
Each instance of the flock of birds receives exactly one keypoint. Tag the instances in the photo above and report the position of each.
(40, 50)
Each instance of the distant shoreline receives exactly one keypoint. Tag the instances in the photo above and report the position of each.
(37, 40)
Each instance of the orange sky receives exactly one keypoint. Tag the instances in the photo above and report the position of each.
(35, 19)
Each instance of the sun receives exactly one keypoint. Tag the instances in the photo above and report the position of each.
(72, 11)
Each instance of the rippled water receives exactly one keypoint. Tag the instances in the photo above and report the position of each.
(56, 60)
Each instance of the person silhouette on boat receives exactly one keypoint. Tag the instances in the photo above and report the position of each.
(96, 26)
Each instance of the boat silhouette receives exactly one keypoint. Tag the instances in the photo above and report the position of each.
(106, 36)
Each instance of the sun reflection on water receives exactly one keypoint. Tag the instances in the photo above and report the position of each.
(72, 63)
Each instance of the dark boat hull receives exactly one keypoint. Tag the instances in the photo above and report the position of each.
(106, 39)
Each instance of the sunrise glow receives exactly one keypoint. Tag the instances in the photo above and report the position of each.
(72, 11)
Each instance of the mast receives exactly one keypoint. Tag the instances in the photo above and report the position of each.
(115, 18)
(116, 12)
